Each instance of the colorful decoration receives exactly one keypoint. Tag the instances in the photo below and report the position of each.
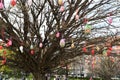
(109, 19)
(105, 52)
(60, 2)
(1, 5)
(9, 43)
(3, 61)
(1, 47)
(88, 28)
(4, 52)
(72, 45)
(84, 49)
(62, 42)
(62, 8)
(76, 17)
(13, 2)
(57, 34)
(85, 20)
(92, 52)
(21, 49)
(97, 48)
(40, 45)
(32, 51)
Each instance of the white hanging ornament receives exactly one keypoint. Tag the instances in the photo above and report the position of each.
(31, 46)
(21, 49)
(40, 45)
(62, 42)
(29, 2)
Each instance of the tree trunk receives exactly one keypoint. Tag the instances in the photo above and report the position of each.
(38, 76)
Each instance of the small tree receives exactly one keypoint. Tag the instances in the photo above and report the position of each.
(108, 67)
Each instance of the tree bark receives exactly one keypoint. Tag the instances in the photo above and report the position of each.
(39, 76)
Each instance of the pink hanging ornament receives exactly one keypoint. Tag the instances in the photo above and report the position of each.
(57, 34)
(62, 42)
(32, 51)
(9, 43)
(76, 16)
(40, 45)
(1, 5)
(62, 8)
(13, 2)
(109, 20)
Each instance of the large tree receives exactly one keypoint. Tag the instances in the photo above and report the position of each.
(36, 31)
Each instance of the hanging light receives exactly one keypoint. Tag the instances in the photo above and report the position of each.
(1, 4)
(62, 42)
(13, 2)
